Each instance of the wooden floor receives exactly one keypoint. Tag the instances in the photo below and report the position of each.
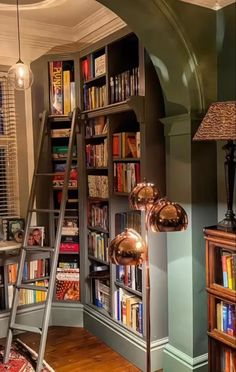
(76, 350)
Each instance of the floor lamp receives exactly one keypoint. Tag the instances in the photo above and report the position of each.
(129, 248)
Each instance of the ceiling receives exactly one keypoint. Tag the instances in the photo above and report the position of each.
(45, 24)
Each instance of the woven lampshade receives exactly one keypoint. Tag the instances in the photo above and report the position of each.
(219, 122)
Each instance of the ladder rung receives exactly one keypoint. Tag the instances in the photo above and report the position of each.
(36, 248)
(32, 287)
(42, 278)
(45, 174)
(26, 328)
(45, 210)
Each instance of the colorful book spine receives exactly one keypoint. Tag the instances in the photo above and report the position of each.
(56, 87)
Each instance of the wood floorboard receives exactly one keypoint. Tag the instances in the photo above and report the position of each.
(77, 350)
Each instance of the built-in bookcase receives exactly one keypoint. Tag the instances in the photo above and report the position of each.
(61, 86)
(120, 142)
(114, 136)
(221, 288)
(37, 267)
(68, 271)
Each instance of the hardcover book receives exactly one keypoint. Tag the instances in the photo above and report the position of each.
(67, 284)
(56, 87)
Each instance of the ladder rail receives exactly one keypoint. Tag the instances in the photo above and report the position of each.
(23, 252)
(47, 310)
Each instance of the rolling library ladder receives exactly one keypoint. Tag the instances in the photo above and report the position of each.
(54, 240)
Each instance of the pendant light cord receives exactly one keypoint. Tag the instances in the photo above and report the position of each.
(18, 29)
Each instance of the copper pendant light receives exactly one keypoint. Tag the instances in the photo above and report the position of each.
(127, 248)
(167, 216)
(143, 196)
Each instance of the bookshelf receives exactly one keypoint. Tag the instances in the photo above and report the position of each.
(221, 289)
(120, 139)
(68, 272)
(36, 267)
(118, 91)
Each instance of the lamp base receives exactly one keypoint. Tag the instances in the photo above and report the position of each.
(227, 224)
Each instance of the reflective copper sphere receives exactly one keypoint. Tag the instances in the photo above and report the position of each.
(167, 216)
(143, 196)
(127, 248)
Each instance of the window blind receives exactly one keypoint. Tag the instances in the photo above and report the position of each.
(9, 186)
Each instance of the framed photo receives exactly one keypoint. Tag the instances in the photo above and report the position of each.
(14, 225)
(36, 236)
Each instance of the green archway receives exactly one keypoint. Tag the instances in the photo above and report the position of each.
(155, 24)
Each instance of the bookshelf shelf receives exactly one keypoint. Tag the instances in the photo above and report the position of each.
(93, 258)
(96, 78)
(221, 289)
(127, 288)
(135, 103)
(98, 229)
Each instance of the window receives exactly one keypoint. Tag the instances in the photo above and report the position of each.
(9, 187)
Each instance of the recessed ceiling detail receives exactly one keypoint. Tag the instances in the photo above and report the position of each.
(29, 4)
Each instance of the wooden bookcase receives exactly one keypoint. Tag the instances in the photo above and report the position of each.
(221, 290)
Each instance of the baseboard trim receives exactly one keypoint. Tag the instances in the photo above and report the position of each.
(174, 358)
(67, 314)
(30, 315)
(128, 344)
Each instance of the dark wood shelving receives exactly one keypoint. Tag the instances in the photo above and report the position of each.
(221, 299)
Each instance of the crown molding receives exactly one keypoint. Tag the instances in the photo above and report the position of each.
(40, 38)
(211, 4)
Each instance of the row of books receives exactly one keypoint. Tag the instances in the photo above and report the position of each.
(93, 66)
(58, 179)
(60, 152)
(228, 360)
(98, 186)
(32, 270)
(130, 276)
(129, 310)
(96, 155)
(228, 260)
(98, 245)
(60, 133)
(124, 85)
(101, 294)
(126, 145)
(94, 97)
(98, 216)
(226, 318)
(68, 284)
(62, 87)
(96, 126)
(28, 297)
(126, 176)
(131, 219)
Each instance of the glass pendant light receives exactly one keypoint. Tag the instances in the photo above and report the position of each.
(20, 75)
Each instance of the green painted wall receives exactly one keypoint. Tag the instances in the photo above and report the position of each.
(181, 40)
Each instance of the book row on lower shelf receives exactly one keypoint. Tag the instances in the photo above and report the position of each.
(228, 260)
(227, 360)
(226, 318)
(129, 310)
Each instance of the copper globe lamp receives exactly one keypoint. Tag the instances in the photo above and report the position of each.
(129, 248)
